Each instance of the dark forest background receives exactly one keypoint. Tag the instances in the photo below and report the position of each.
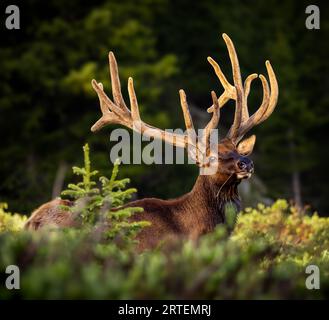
(47, 105)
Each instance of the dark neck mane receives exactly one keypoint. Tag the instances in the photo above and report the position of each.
(209, 199)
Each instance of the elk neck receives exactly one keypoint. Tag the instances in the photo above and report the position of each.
(210, 198)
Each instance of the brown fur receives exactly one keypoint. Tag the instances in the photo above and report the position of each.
(190, 216)
(51, 213)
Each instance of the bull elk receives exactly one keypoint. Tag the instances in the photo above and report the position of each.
(200, 210)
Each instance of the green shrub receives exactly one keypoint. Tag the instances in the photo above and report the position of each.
(9, 221)
(297, 236)
(264, 256)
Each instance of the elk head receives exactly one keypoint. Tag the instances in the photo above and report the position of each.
(224, 160)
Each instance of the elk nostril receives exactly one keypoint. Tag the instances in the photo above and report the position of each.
(242, 165)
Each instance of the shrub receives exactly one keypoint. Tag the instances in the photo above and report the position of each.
(9, 221)
(295, 235)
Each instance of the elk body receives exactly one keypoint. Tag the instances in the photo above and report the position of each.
(222, 165)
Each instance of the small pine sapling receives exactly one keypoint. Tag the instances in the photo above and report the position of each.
(99, 203)
(84, 193)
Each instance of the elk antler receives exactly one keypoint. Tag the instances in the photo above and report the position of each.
(242, 121)
(117, 112)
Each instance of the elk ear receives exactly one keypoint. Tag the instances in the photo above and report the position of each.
(246, 146)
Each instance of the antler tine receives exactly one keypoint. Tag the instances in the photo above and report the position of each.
(229, 90)
(104, 108)
(247, 85)
(215, 115)
(191, 139)
(133, 101)
(187, 116)
(107, 104)
(110, 112)
(107, 114)
(240, 97)
(274, 92)
(270, 97)
(116, 86)
(212, 124)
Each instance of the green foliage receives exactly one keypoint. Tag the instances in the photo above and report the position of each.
(264, 257)
(230, 215)
(10, 221)
(296, 236)
(85, 187)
